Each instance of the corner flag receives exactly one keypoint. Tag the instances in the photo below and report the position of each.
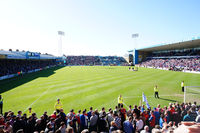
(144, 99)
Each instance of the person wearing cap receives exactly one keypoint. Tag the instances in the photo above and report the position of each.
(182, 86)
(1, 104)
(58, 106)
(156, 91)
(120, 100)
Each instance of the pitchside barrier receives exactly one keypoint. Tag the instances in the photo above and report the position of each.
(191, 94)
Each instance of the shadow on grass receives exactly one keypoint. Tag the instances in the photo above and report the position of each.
(8, 84)
(166, 99)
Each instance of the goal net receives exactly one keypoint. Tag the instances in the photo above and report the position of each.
(192, 94)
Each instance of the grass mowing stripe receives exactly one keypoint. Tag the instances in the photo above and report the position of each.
(81, 87)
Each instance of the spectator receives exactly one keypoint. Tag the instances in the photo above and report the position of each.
(83, 121)
(139, 124)
(146, 130)
(103, 125)
(128, 126)
(93, 122)
(113, 127)
(187, 117)
(152, 120)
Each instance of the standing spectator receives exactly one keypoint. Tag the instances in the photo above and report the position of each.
(110, 117)
(129, 112)
(89, 113)
(136, 110)
(123, 111)
(19, 114)
(52, 123)
(17, 125)
(53, 115)
(157, 116)
(78, 119)
(83, 121)
(38, 126)
(139, 124)
(102, 125)
(152, 120)
(63, 115)
(117, 120)
(93, 122)
(62, 127)
(161, 121)
(128, 126)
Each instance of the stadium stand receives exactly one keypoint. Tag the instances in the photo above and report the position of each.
(13, 63)
(183, 56)
(95, 60)
(174, 118)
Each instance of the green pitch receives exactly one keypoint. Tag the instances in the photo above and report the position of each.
(80, 87)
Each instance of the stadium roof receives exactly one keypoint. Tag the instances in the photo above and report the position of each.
(23, 55)
(174, 46)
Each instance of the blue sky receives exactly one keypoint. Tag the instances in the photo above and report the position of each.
(96, 27)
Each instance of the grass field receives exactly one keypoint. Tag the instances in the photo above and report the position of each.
(80, 87)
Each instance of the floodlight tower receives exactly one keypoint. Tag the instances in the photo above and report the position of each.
(135, 53)
(61, 34)
(135, 36)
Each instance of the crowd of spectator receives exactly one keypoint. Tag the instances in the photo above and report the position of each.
(188, 52)
(191, 64)
(82, 60)
(132, 120)
(11, 66)
(95, 60)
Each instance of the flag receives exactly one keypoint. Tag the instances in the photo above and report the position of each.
(144, 99)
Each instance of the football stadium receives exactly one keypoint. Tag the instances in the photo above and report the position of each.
(151, 89)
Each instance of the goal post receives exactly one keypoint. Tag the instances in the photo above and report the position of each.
(191, 94)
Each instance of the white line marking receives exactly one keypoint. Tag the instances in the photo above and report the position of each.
(38, 98)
